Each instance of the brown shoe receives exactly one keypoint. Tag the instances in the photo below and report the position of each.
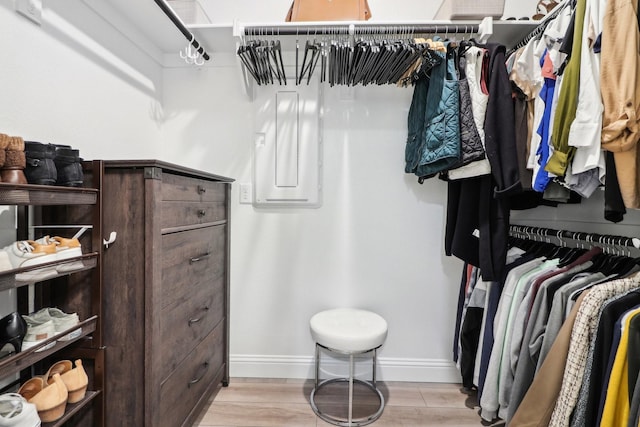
(75, 379)
(50, 400)
(15, 162)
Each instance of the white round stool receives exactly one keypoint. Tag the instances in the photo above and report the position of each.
(350, 332)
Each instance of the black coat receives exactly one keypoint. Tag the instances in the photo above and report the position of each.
(477, 229)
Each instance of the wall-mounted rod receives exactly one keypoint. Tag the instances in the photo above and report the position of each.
(162, 4)
(354, 29)
(592, 238)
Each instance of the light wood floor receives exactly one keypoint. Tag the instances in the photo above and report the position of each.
(285, 403)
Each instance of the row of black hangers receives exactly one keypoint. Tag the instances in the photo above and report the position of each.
(607, 263)
(263, 60)
(363, 63)
(369, 59)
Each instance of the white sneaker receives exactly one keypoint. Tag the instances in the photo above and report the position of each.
(61, 321)
(37, 332)
(15, 411)
(28, 253)
(65, 249)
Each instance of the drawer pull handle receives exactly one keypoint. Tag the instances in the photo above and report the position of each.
(197, 380)
(200, 258)
(192, 321)
(201, 189)
(201, 213)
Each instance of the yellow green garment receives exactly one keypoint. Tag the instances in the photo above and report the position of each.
(616, 405)
(567, 101)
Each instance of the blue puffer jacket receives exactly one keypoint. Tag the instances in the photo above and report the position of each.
(441, 148)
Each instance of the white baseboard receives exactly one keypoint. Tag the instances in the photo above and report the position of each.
(302, 367)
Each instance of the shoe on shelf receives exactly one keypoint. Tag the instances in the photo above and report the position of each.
(68, 166)
(61, 321)
(38, 331)
(65, 249)
(50, 399)
(40, 168)
(15, 411)
(13, 329)
(12, 170)
(29, 253)
(75, 379)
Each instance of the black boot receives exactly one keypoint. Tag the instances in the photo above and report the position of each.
(41, 168)
(68, 165)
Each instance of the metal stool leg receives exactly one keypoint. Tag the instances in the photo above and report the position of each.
(317, 364)
(371, 385)
(351, 389)
(375, 355)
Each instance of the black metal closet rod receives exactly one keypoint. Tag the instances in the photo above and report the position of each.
(162, 4)
(604, 239)
(358, 29)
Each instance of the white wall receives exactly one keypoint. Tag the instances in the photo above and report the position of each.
(76, 80)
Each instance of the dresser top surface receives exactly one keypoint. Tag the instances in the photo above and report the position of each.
(165, 166)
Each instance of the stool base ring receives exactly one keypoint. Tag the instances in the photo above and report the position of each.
(339, 421)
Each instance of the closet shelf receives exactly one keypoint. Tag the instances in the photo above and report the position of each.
(73, 408)
(8, 278)
(17, 362)
(222, 38)
(45, 195)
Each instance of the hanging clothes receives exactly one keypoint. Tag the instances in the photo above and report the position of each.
(525, 336)
(477, 228)
(567, 101)
(588, 410)
(542, 177)
(621, 94)
(471, 147)
(511, 297)
(476, 63)
(588, 165)
(551, 400)
(441, 147)
(417, 111)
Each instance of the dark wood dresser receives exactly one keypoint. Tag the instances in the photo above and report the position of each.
(165, 291)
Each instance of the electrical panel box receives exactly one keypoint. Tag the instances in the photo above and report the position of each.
(287, 165)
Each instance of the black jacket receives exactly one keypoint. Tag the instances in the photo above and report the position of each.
(477, 229)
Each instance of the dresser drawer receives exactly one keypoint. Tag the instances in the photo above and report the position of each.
(184, 325)
(180, 214)
(190, 260)
(181, 188)
(191, 378)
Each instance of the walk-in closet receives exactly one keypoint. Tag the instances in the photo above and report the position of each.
(186, 185)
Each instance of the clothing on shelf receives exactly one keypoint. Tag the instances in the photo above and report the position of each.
(552, 339)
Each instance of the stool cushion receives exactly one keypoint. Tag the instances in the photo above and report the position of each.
(348, 329)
